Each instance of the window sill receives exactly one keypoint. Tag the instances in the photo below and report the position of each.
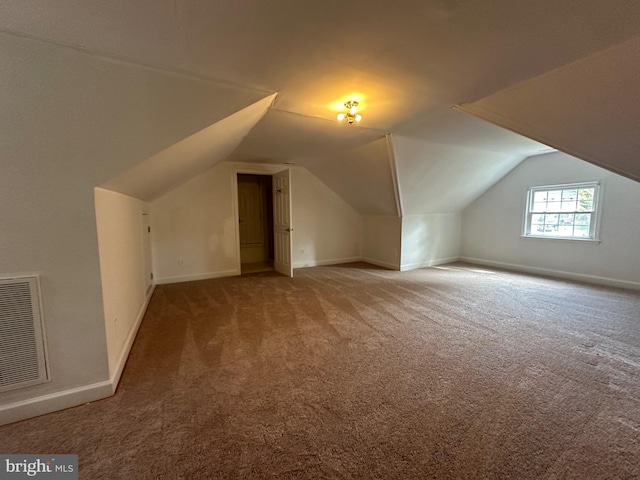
(563, 239)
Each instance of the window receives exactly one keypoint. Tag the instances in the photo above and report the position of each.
(562, 211)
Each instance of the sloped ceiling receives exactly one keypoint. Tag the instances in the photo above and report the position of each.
(455, 127)
(362, 177)
(438, 178)
(307, 139)
(189, 157)
(589, 108)
(406, 62)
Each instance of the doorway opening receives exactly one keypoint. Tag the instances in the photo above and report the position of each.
(255, 217)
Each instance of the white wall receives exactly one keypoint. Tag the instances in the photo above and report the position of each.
(71, 121)
(492, 226)
(122, 270)
(430, 240)
(194, 228)
(326, 229)
(381, 240)
(196, 223)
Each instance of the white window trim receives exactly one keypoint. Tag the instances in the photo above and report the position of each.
(595, 219)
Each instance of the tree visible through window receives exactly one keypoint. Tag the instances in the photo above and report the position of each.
(562, 211)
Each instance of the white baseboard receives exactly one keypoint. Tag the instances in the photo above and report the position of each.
(319, 263)
(428, 263)
(52, 402)
(380, 263)
(126, 349)
(199, 276)
(609, 282)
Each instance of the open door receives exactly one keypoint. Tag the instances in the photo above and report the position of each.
(255, 222)
(282, 223)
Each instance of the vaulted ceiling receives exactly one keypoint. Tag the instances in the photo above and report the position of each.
(406, 62)
(589, 108)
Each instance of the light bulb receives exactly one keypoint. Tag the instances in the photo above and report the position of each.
(341, 117)
(353, 110)
(358, 118)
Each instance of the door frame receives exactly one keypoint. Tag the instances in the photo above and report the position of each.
(147, 253)
(250, 169)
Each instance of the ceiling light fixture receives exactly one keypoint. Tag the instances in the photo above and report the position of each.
(350, 115)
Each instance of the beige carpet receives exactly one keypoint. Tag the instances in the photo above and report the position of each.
(358, 372)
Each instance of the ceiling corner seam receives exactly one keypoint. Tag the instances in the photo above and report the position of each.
(394, 174)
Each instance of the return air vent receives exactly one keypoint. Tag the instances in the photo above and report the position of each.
(22, 350)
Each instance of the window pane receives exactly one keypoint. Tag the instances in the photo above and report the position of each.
(585, 199)
(539, 207)
(566, 219)
(555, 196)
(569, 195)
(540, 197)
(583, 219)
(554, 206)
(537, 219)
(569, 206)
(551, 219)
(550, 227)
(555, 225)
(581, 231)
(546, 230)
(565, 231)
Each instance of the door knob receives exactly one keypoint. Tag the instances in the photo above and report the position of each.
(289, 229)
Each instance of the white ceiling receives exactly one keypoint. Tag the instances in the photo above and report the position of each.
(407, 63)
(300, 140)
(437, 178)
(171, 167)
(589, 108)
(361, 176)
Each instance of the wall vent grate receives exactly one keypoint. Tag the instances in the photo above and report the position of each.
(22, 348)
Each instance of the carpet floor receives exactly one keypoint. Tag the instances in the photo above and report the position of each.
(353, 371)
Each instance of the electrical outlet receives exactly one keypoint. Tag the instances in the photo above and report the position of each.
(302, 251)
